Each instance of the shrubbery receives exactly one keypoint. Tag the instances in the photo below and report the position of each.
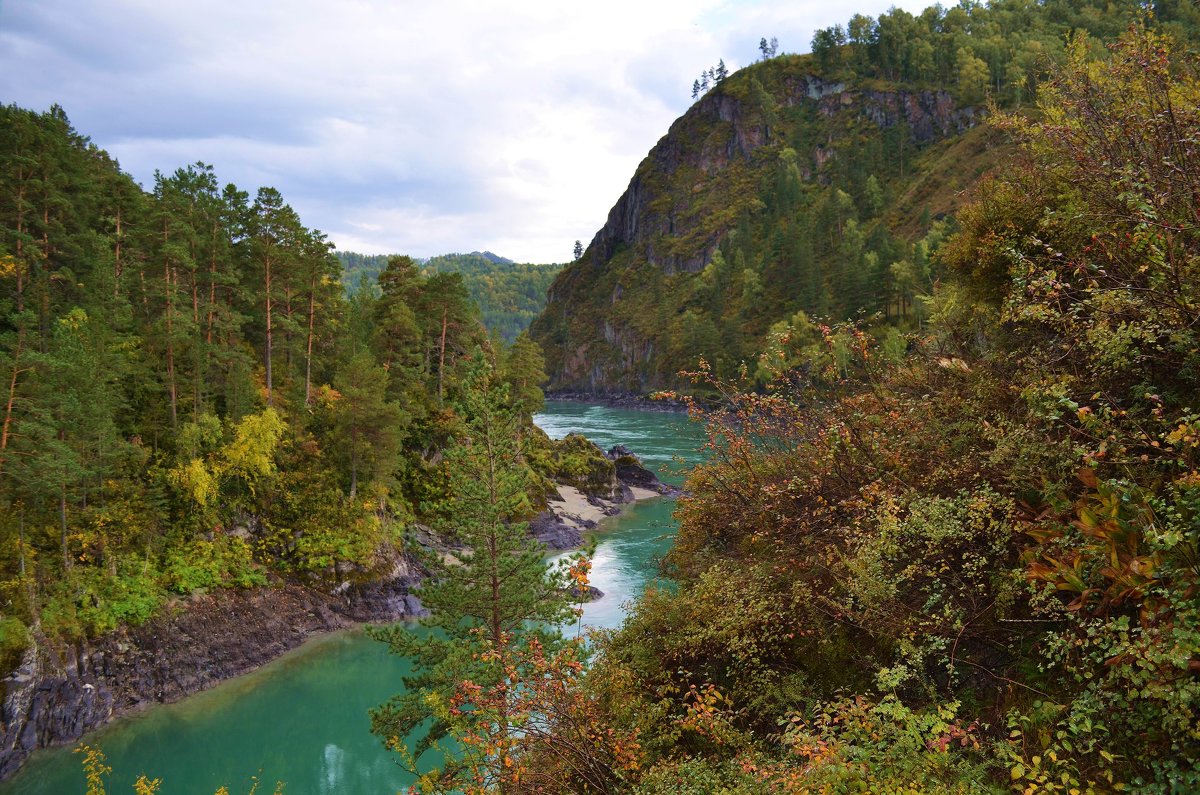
(975, 566)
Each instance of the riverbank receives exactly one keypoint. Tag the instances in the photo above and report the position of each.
(303, 717)
(572, 513)
(59, 694)
(620, 400)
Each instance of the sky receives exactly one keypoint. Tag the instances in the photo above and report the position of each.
(408, 127)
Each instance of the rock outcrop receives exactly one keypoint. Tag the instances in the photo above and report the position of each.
(627, 316)
(563, 524)
(632, 474)
(641, 217)
(58, 694)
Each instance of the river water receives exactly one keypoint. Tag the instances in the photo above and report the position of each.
(303, 718)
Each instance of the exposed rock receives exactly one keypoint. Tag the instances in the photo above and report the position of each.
(552, 531)
(632, 474)
(588, 593)
(640, 215)
(58, 694)
(667, 223)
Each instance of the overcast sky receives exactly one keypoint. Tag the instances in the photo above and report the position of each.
(414, 127)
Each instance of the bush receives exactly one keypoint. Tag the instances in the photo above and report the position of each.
(14, 640)
(224, 562)
(89, 601)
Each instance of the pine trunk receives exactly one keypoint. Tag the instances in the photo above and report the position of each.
(312, 314)
(267, 290)
(442, 357)
(171, 387)
(6, 429)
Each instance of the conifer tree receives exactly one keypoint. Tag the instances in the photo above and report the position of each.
(368, 426)
(489, 600)
(525, 371)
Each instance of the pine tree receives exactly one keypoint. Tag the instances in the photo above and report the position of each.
(368, 426)
(489, 600)
(449, 318)
(525, 371)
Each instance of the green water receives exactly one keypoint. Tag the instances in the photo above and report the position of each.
(303, 718)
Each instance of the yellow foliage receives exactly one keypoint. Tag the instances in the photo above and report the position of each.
(94, 768)
(9, 266)
(251, 454)
(195, 480)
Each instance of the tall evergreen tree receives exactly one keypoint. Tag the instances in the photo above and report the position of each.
(489, 599)
(369, 426)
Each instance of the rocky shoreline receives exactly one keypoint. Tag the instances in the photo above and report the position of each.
(59, 694)
(620, 400)
(573, 514)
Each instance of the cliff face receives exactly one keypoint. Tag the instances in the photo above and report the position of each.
(702, 179)
(641, 217)
(60, 693)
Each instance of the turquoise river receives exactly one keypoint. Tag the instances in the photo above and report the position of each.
(302, 719)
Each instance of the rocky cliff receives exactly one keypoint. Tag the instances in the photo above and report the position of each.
(60, 693)
(715, 171)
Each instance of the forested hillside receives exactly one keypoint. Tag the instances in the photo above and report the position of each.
(509, 294)
(189, 399)
(947, 538)
(966, 559)
(806, 187)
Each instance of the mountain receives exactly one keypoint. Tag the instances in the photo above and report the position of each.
(509, 294)
(779, 191)
(819, 184)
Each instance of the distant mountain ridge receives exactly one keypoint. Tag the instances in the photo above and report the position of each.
(509, 294)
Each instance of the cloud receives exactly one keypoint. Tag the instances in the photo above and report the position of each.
(393, 126)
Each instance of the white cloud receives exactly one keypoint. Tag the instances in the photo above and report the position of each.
(394, 126)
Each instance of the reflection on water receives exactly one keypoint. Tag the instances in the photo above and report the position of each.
(303, 718)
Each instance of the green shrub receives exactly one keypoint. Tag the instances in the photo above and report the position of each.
(14, 640)
(224, 562)
(89, 601)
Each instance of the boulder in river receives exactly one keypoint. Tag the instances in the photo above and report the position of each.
(633, 474)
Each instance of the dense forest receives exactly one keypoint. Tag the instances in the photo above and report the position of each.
(806, 187)
(509, 294)
(191, 401)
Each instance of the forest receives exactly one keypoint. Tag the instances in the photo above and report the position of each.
(764, 208)
(969, 562)
(509, 294)
(192, 401)
(948, 536)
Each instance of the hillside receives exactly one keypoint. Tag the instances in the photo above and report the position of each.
(967, 563)
(193, 408)
(809, 184)
(509, 294)
(778, 192)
